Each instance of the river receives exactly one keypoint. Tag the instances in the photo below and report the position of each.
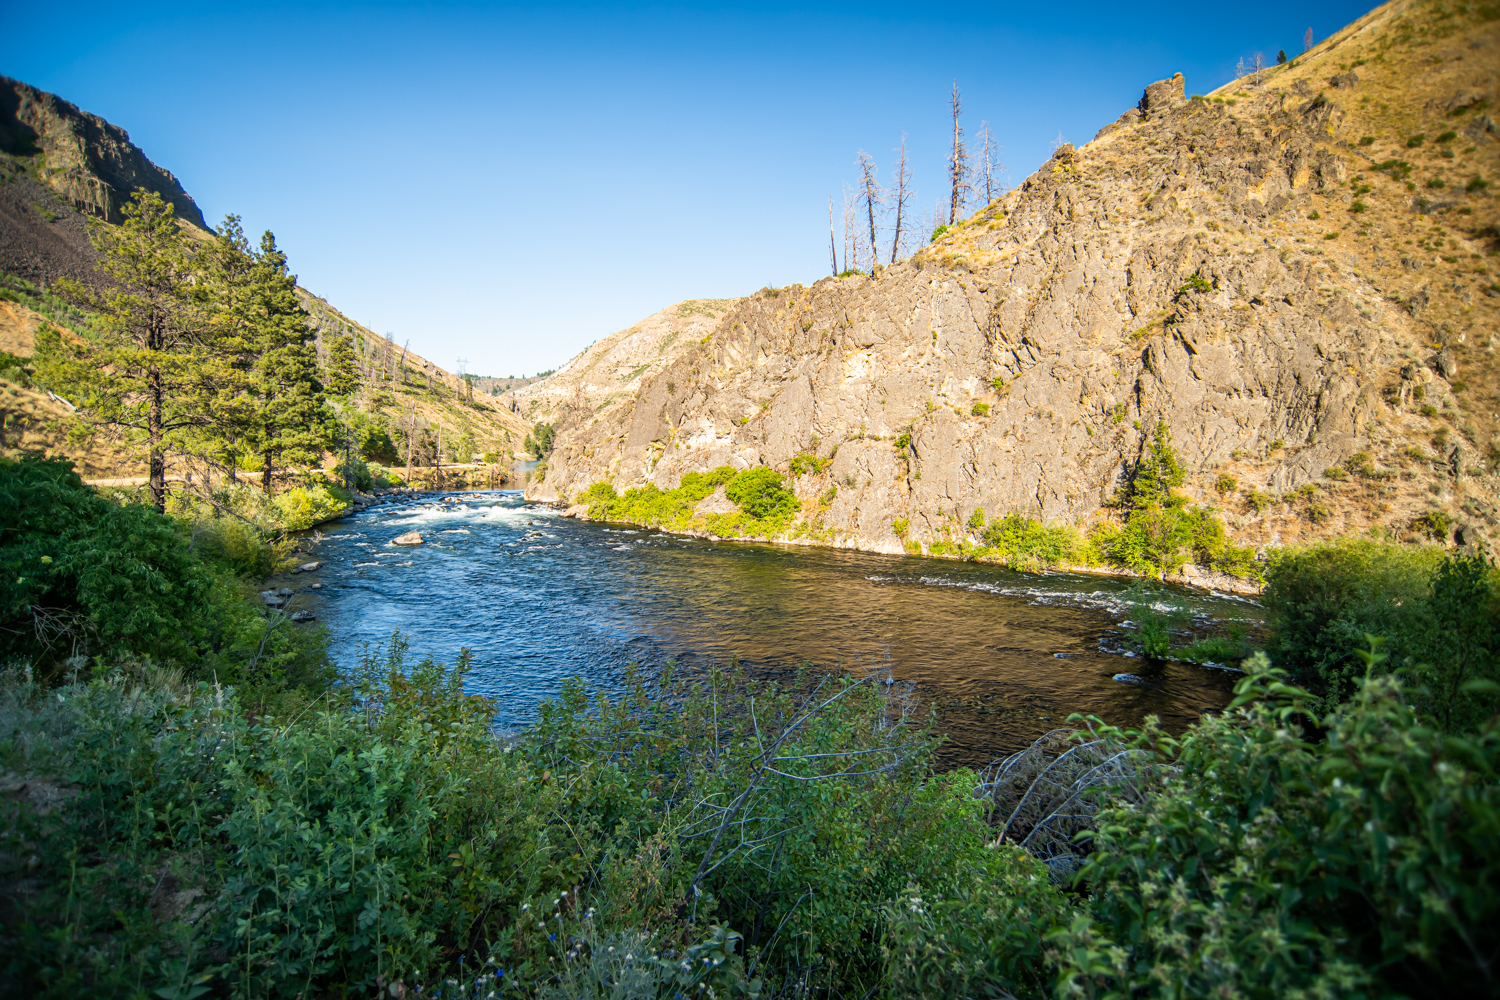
(538, 598)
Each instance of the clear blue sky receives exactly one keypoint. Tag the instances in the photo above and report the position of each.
(508, 185)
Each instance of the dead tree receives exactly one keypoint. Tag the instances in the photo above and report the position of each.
(902, 195)
(958, 162)
(833, 250)
(872, 197)
(848, 228)
(990, 167)
(1307, 39)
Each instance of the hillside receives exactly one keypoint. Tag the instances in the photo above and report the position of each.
(611, 371)
(61, 167)
(1296, 274)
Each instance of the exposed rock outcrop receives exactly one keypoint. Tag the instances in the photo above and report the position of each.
(89, 162)
(1227, 265)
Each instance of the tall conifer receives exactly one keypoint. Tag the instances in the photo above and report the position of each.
(150, 370)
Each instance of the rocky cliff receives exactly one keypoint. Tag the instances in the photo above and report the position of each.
(611, 371)
(1296, 273)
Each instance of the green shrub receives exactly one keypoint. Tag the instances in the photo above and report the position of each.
(1029, 545)
(301, 507)
(808, 463)
(980, 410)
(1226, 484)
(976, 519)
(356, 472)
(85, 576)
(1437, 614)
(1262, 864)
(761, 494)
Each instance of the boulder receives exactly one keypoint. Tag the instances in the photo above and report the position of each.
(578, 510)
(410, 538)
(303, 616)
(271, 598)
(311, 567)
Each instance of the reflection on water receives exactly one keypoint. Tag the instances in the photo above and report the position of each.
(539, 598)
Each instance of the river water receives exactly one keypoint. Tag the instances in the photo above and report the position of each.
(539, 598)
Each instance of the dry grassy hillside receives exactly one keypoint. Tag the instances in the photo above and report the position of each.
(612, 370)
(1296, 274)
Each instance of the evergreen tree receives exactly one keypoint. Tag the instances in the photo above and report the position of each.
(342, 375)
(277, 409)
(151, 369)
(1159, 471)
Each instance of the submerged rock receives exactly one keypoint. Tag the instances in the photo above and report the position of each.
(303, 616)
(410, 538)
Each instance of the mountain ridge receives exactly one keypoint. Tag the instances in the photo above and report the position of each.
(1230, 264)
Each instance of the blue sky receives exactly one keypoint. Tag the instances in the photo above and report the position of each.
(509, 184)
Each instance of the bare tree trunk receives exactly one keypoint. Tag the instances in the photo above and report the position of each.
(903, 182)
(958, 162)
(156, 458)
(870, 192)
(833, 252)
(265, 474)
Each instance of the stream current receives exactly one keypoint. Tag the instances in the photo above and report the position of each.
(538, 598)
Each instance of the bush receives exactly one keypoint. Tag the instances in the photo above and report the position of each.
(806, 463)
(1436, 613)
(301, 507)
(1029, 545)
(1262, 864)
(356, 472)
(761, 494)
(87, 576)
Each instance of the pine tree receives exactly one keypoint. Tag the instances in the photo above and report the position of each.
(151, 369)
(342, 375)
(1159, 470)
(277, 409)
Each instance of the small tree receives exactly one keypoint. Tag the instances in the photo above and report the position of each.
(1159, 470)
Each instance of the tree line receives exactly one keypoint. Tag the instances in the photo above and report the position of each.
(878, 219)
(201, 346)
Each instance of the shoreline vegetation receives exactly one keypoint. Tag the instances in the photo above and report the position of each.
(201, 805)
(1154, 532)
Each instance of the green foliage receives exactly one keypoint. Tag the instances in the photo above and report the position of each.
(355, 472)
(760, 493)
(939, 231)
(1437, 614)
(1197, 283)
(84, 575)
(375, 445)
(1027, 544)
(980, 410)
(1434, 524)
(301, 507)
(1159, 471)
(977, 940)
(383, 837)
(541, 439)
(976, 519)
(1161, 533)
(766, 506)
(903, 442)
(1261, 864)
(805, 463)
(1226, 484)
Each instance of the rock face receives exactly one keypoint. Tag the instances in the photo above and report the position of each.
(92, 164)
(610, 372)
(1202, 263)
